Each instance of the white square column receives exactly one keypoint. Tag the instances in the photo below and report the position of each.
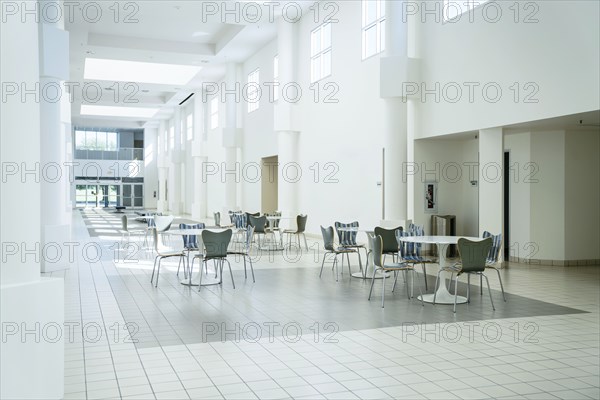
(491, 192)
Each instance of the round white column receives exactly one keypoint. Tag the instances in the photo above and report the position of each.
(163, 170)
(231, 174)
(54, 177)
(175, 203)
(199, 208)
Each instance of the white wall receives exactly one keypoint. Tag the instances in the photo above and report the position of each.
(560, 54)
(582, 195)
(258, 139)
(548, 196)
(438, 160)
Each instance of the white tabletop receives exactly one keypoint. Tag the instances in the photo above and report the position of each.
(186, 232)
(437, 239)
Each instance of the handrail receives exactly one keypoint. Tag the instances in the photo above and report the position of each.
(122, 154)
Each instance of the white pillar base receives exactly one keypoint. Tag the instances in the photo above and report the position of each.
(162, 206)
(54, 253)
(32, 365)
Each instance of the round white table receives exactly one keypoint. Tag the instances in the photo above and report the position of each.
(367, 272)
(195, 281)
(443, 296)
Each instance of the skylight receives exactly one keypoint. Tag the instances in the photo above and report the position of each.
(135, 71)
(112, 111)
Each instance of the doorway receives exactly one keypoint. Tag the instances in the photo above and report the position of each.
(269, 184)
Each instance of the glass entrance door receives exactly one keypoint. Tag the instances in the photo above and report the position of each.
(87, 196)
(133, 195)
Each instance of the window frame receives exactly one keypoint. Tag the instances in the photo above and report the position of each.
(378, 23)
(318, 56)
(254, 79)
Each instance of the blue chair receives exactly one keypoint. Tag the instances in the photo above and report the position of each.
(190, 243)
(491, 261)
(347, 239)
(411, 252)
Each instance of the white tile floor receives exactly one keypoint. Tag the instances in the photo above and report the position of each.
(543, 357)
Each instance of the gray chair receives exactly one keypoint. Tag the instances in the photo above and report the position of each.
(473, 255)
(331, 248)
(492, 260)
(260, 227)
(390, 242)
(215, 248)
(377, 255)
(245, 252)
(300, 228)
(162, 253)
(348, 238)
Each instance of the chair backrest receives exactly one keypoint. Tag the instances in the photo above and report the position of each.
(390, 243)
(190, 242)
(124, 222)
(158, 245)
(377, 250)
(407, 249)
(301, 223)
(216, 243)
(494, 253)
(258, 223)
(217, 216)
(327, 238)
(473, 254)
(347, 238)
(163, 222)
(248, 215)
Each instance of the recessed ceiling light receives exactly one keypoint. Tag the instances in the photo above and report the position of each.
(136, 71)
(112, 111)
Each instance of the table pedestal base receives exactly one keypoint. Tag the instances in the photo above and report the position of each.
(443, 297)
(206, 281)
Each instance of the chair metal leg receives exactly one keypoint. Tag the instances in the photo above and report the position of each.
(323, 264)
(158, 272)
(230, 271)
(395, 280)
(336, 267)
(153, 269)
(501, 286)
(468, 288)
(455, 291)
(251, 268)
(383, 291)
(420, 290)
(481, 284)
(425, 276)
(245, 272)
(372, 282)
(200, 283)
(305, 242)
(489, 291)
(349, 270)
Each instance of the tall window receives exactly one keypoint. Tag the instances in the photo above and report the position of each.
(373, 27)
(253, 90)
(93, 140)
(189, 126)
(276, 78)
(214, 113)
(320, 52)
(453, 8)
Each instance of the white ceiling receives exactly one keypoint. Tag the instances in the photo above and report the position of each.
(162, 31)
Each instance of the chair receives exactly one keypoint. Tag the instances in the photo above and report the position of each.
(217, 216)
(248, 215)
(125, 231)
(492, 259)
(377, 246)
(390, 242)
(348, 238)
(162, 253)
(300, 228)
(215, 248)
(245, 252)
(411, 252)
(473, 255)
(190, 242)
(331, 248)
(162, 223)
(260, 227)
